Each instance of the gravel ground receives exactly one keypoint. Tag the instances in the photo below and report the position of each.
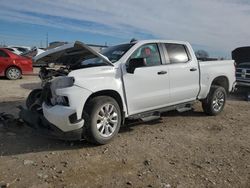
(180, 150)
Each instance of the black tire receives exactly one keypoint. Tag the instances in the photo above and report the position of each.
(33, 100)
(91, 113)
(13, 73)
(213, 105)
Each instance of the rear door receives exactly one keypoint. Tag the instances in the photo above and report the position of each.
(183, 73)
(148, 87)
(4, 61)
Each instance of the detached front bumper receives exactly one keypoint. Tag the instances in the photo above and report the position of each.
(48, 129)
(63, 117)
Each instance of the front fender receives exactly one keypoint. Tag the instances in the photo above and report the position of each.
(98, 79)
(77, 97)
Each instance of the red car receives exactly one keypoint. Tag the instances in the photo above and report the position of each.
(14, 66)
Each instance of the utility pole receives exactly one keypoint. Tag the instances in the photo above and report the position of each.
(41, 43)
(47, 40)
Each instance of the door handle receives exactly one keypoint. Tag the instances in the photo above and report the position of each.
(193, 69)
(162, 72)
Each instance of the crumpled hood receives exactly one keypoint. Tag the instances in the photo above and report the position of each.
(96, 77)
(69, 54)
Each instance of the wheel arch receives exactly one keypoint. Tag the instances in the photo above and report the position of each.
(12, 66)
(221, 81)
(111, 93)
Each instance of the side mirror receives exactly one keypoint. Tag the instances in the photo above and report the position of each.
(135, 63)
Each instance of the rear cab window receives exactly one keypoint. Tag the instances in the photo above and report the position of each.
(177, 53)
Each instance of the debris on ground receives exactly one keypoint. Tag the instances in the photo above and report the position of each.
(147, 162)
(42, 176)
(28, 162)
(129, 183)
(4, 185)
(5, 118)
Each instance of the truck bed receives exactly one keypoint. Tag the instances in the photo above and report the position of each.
(214, 69)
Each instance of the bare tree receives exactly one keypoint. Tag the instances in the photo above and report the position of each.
(201, 54)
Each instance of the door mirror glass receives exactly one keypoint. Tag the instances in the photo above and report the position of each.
(135, 63)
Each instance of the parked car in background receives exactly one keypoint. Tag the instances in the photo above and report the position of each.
(22, 49)
(14, 50)
(33, 52)
(92, 95)
(242, 59)
(13, 66)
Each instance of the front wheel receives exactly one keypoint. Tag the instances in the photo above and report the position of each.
(215, 101)
(34, 102)
(102, 117)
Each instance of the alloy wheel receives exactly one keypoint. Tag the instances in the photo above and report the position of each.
(107, 120)
(218, 101)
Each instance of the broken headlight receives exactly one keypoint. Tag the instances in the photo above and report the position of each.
(60, 100)
(59, 83)
(62, 82)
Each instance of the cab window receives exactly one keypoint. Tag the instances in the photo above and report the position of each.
(177, 53)
(150, 53)
(3, 54)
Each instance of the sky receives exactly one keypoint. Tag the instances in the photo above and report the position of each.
(217, 26)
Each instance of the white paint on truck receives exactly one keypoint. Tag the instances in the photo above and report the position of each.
(148, 88)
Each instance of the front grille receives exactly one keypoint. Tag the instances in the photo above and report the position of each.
(243, 74)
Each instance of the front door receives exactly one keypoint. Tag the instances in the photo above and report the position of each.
(148, 87)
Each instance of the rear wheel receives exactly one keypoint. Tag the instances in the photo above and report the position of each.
(13, 73)
(102, 120)
(215, 101)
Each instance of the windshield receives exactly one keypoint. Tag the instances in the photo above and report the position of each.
(113, 53)
(31, 53)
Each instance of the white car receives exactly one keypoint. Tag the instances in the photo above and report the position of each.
(33, 53)
(137, 80)
(14, 50)
(22, 49)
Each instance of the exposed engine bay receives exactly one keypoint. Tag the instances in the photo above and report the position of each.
(46, 92)
(47, 74)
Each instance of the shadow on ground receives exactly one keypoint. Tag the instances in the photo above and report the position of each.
(16, 138)
(19, 139)
(31, 86)
(3, 78)
(241, 94)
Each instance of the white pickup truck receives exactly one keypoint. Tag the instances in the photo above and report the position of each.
(93, 93)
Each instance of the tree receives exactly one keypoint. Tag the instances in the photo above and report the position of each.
(202, 54)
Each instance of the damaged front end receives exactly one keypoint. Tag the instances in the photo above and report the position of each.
(34, 115)
(56, 109)
(42, 126)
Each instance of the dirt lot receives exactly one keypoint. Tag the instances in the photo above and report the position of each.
(180, 150)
